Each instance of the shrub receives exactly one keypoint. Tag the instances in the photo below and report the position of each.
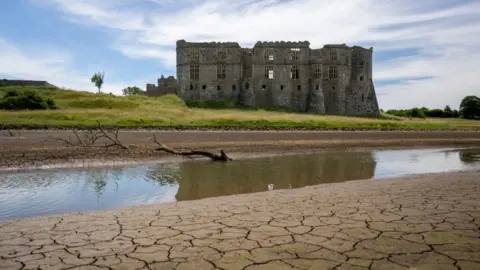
(25, 99)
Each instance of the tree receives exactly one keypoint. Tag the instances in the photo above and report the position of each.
(130, 91)
(447, 112)
(470, 107)
(97, 79)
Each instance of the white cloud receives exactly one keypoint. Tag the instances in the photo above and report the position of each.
(445, 35)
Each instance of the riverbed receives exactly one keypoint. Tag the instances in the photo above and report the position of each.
(56, 191)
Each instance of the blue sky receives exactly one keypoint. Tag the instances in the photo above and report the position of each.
(426, 53)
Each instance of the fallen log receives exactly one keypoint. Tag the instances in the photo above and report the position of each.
(214, 157)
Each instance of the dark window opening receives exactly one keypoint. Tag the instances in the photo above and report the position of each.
(363, 98)
(317, 72)
(333, 55)
(264, 87)
(194, 72)
(295, 73)
(221, 72)
(333, 88)
(219, 88)
(361, 78)
(204, 87)
(317, 87)
(281, 87)
(221, 54)
(247, 86)
(191, 86)
(332, 72)
(299, 87)
(234, 87)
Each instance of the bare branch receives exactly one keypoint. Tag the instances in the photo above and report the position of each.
(115, 142)
(222, 157)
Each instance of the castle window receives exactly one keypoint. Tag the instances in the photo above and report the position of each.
(234, 87)
(221, 54)
(204, 87)
(361, 63)
(219, 88)
(363, 98)
(191, 86)
(247, 85)
(317, 71)
(332, 72)
(264, 87)
(269, 73)
(317, 87)
(333, 55)
(269, 55)
(194, 72)
(333, 89)
(299, 88)
(360, 78)
(295, 73)
(281, 87)
(194, 54)
(294, 53)
(221, 72)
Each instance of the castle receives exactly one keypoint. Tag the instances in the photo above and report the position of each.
(336, 79)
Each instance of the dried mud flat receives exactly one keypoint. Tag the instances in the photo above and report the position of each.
(417, 222)
(35, 149)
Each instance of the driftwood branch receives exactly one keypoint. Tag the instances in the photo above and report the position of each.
(87, 137)
(215, 157)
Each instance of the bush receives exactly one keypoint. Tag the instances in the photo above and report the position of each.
(25, 99)
(417, 113)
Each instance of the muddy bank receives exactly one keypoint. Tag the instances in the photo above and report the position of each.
(51, 154)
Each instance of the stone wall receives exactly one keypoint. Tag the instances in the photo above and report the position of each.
(165, 86)
(335, 79)
(5, 82)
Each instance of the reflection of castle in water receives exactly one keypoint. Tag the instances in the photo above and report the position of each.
(201, 179)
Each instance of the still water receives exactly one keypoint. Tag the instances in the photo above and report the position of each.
(43, 192)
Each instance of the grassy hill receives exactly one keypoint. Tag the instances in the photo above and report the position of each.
(85, 108)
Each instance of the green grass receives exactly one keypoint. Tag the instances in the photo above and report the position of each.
(85, 108)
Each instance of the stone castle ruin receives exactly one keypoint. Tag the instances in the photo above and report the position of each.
(335, 79)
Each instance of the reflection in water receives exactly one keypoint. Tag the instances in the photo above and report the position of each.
(58, 191)
(204, 179)
(470, 156)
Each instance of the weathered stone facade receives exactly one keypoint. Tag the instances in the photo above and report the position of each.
(165, 86)
(336, 79)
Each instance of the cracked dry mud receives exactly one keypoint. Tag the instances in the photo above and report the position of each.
(420, 222)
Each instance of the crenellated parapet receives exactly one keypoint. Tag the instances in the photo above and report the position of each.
(184, 44)
(282, 44)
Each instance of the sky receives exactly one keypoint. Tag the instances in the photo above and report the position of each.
(426, 53)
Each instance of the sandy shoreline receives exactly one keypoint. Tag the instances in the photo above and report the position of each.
(37, 149)
(428, 221)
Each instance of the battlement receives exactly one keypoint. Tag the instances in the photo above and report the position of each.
(282, 44)
(184, 44)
